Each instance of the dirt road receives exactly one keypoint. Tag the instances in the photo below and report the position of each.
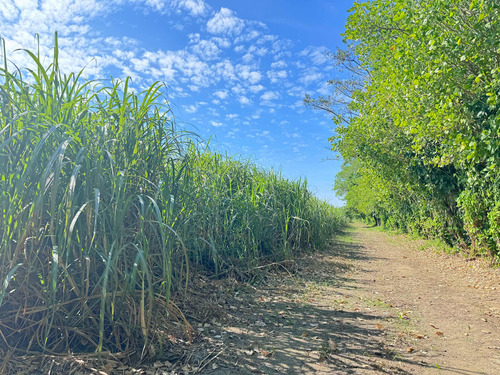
(373, 303)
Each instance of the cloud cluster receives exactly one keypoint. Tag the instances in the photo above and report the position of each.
(231, 73)
(206, 61)
(225, 22)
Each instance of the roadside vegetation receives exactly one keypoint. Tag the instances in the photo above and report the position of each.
(418, 121)
(107, 208)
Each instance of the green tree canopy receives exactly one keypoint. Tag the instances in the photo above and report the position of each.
(420, 121)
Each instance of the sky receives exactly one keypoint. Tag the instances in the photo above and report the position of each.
(235, 72)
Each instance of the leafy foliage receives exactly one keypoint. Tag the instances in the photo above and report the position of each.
(425, 124)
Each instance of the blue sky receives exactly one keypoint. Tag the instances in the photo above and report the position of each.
(236, 71)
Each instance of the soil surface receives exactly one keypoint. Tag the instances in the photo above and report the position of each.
(373, 303)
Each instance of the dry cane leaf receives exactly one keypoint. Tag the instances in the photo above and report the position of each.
(332, 345)
(439, 333)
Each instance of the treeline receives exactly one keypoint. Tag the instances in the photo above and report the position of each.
(106, 208)
(420, 133)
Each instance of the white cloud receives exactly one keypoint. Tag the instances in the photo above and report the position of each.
(173, 65)
(256, 88)
(225, 22)
(239, 48)
(311, 76)
(224, 70)
(9, 11)
(266, 38)
(221, 94)
(244, 100)
(191, 108)
(252, 52)
(277, 75)
(140, 65)
(256, 115)
(221, 42)
(251, 35)
(158, 5)
(194, 7)
(324, 89)
(238, 90)
(194, 38)
(248, 58)
(216, 124)
(265, 134)
(316, 54)
(246, 73)
(269, 95)
(281, 48)
(279, 64)
(206, 49)
(260, 51)
(232, 133)
(297, 91)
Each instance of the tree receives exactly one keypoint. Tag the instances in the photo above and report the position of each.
(421, 118)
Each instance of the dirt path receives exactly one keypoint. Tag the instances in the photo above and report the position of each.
(374, 303)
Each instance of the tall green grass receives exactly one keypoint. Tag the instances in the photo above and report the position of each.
(105, 206)
(238, 214)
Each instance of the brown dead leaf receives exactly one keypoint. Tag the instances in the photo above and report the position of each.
(266, 354)
(410, 349)
(379, 326)
(418, 336)
(439, 333)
